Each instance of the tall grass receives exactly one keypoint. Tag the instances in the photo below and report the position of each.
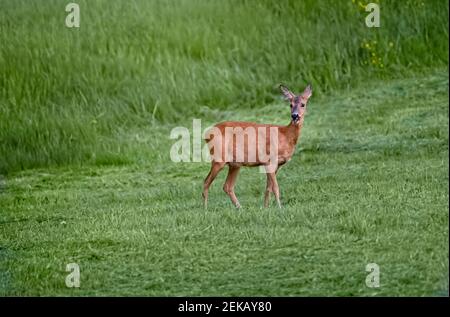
(66, 93)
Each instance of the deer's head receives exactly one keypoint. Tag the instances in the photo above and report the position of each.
(298, 102)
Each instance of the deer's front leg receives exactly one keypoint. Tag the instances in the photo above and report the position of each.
(267, 193)
(273, 185)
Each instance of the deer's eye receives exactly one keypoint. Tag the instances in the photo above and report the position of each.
(302, 105)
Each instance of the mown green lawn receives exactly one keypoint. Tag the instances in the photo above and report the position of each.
(368, 184)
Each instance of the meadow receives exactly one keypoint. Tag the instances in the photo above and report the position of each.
(85, 173)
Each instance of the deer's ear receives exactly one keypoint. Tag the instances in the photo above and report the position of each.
(307, 92)
(286, 93)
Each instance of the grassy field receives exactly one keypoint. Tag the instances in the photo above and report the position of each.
(374, 190)
(85, 174)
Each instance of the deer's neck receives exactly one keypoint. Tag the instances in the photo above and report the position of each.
(293, 132)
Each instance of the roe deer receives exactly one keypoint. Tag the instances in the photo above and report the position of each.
(226, 152)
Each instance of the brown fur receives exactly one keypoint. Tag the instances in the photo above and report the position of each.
(288, 137)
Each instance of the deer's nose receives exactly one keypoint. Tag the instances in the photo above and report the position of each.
(295, 116)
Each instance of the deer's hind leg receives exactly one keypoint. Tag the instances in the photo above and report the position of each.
(228, 187)
(216, 167)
